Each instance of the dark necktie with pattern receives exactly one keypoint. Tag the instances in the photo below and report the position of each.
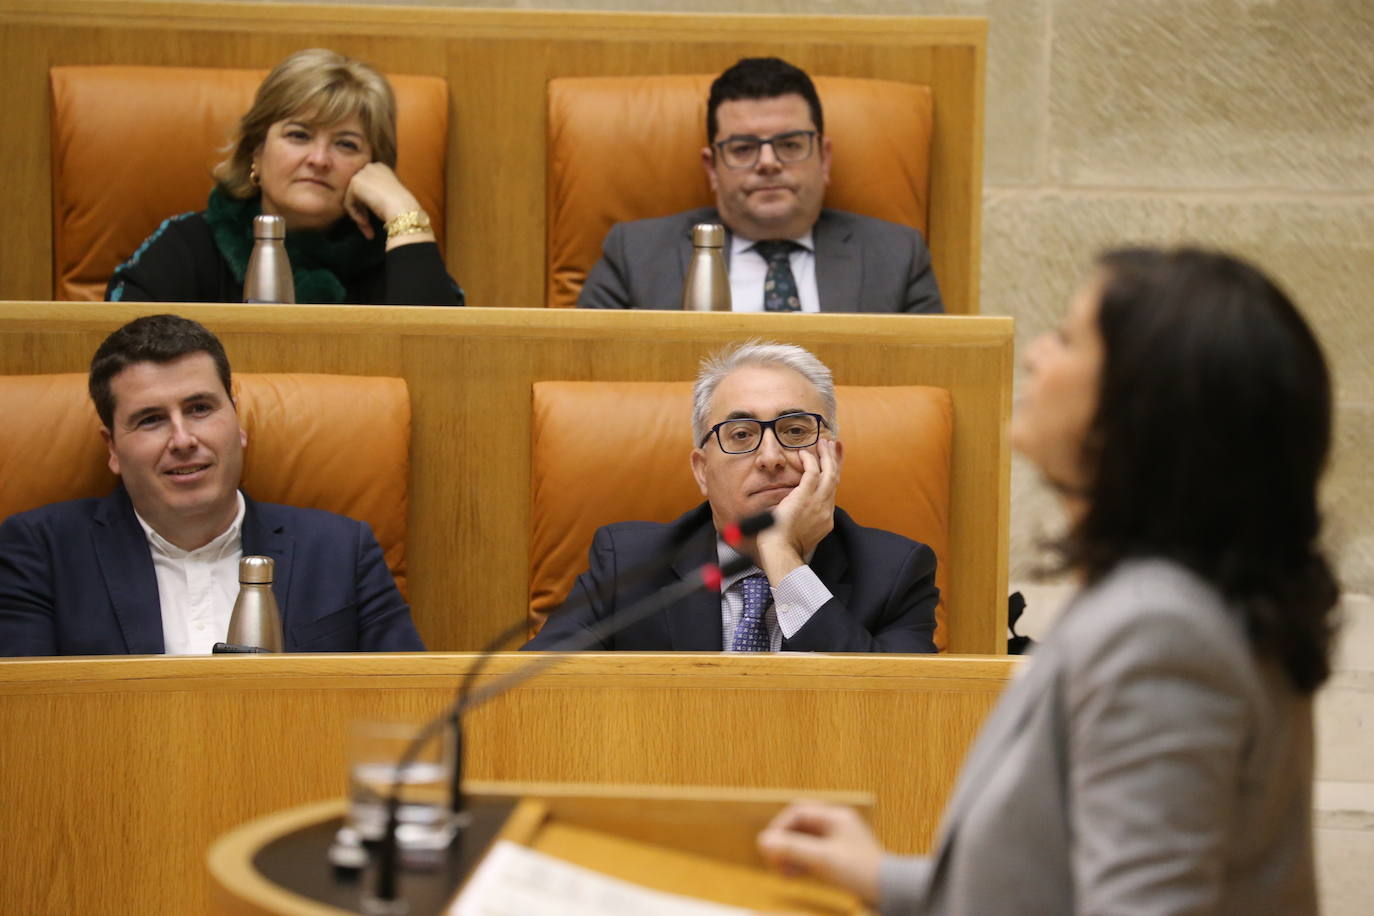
(751, 633)
(779, 286)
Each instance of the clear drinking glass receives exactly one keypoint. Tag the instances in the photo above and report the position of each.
(425, 823)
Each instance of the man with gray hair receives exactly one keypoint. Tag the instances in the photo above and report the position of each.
(766, 434)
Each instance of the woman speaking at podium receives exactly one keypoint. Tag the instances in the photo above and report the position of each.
(1156, 755)
(318, 149)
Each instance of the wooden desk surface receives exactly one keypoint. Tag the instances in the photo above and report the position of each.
(698, 843)
(119, 772)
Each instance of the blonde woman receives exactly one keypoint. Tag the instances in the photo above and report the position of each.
(318, 149)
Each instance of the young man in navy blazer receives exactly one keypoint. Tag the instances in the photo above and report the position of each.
(153, 567)
(767, 439)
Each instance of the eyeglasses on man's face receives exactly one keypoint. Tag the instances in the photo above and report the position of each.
(742, 150)
(744, 435)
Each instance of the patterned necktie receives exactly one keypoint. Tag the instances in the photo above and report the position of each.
(751, 634)
(779, 286)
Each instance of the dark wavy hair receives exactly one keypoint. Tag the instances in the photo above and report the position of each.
(150, 339)
(761, 78)
(1212, 430)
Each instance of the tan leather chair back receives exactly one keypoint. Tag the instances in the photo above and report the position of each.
(604, 452)
(132, 146)
(623, 148)
(334, 442)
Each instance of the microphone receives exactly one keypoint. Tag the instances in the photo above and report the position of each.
(630, 577)
(734, 535)
(706, 576)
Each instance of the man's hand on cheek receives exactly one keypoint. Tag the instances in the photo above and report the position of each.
(804, 517)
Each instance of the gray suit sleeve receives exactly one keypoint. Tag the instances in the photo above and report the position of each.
(1158, 721)
(902, 884)
(922, 292)
(607, 285)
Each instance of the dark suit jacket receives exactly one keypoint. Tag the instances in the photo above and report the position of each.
(862, 264)
(883, 586)
(76, 578)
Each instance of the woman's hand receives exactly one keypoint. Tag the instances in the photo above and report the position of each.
(376, 189)
(828, 841)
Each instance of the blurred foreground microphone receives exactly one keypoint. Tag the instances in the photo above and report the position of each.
(707, 576)
(255, 625)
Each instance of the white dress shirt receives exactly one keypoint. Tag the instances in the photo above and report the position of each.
(748, 270)
(196, 588)
(796, 598)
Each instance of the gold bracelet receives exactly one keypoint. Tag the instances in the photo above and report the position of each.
(407, 223)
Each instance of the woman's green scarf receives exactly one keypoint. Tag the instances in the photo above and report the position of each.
(323, 264)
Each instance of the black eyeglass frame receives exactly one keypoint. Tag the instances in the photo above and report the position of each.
(764, 427)
(811, 135)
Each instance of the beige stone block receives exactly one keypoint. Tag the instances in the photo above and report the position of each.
(1322, 252)
(1348, 502)
(1212, 94)
(1345, 727)
(1345, 805)
(1345, 882)
(1038, 246)
(1355, 645)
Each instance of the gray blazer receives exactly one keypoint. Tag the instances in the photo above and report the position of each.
(862, 264)
(1143, 763)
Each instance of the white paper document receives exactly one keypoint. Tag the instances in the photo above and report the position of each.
(514, 880)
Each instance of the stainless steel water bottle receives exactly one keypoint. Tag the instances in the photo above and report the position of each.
(255, 622)
(268, 278)
(708, 285)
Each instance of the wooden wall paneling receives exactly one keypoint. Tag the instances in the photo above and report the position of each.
(496, 168)
(957, 198)
(497, 63)
(25, 201)
(120, 772)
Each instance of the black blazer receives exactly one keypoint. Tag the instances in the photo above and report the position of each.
(883, 586)
(76, 578)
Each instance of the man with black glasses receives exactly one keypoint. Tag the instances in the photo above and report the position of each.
(763, 419)
(768, 161)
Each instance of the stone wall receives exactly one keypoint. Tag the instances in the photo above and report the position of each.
(1243, 124)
